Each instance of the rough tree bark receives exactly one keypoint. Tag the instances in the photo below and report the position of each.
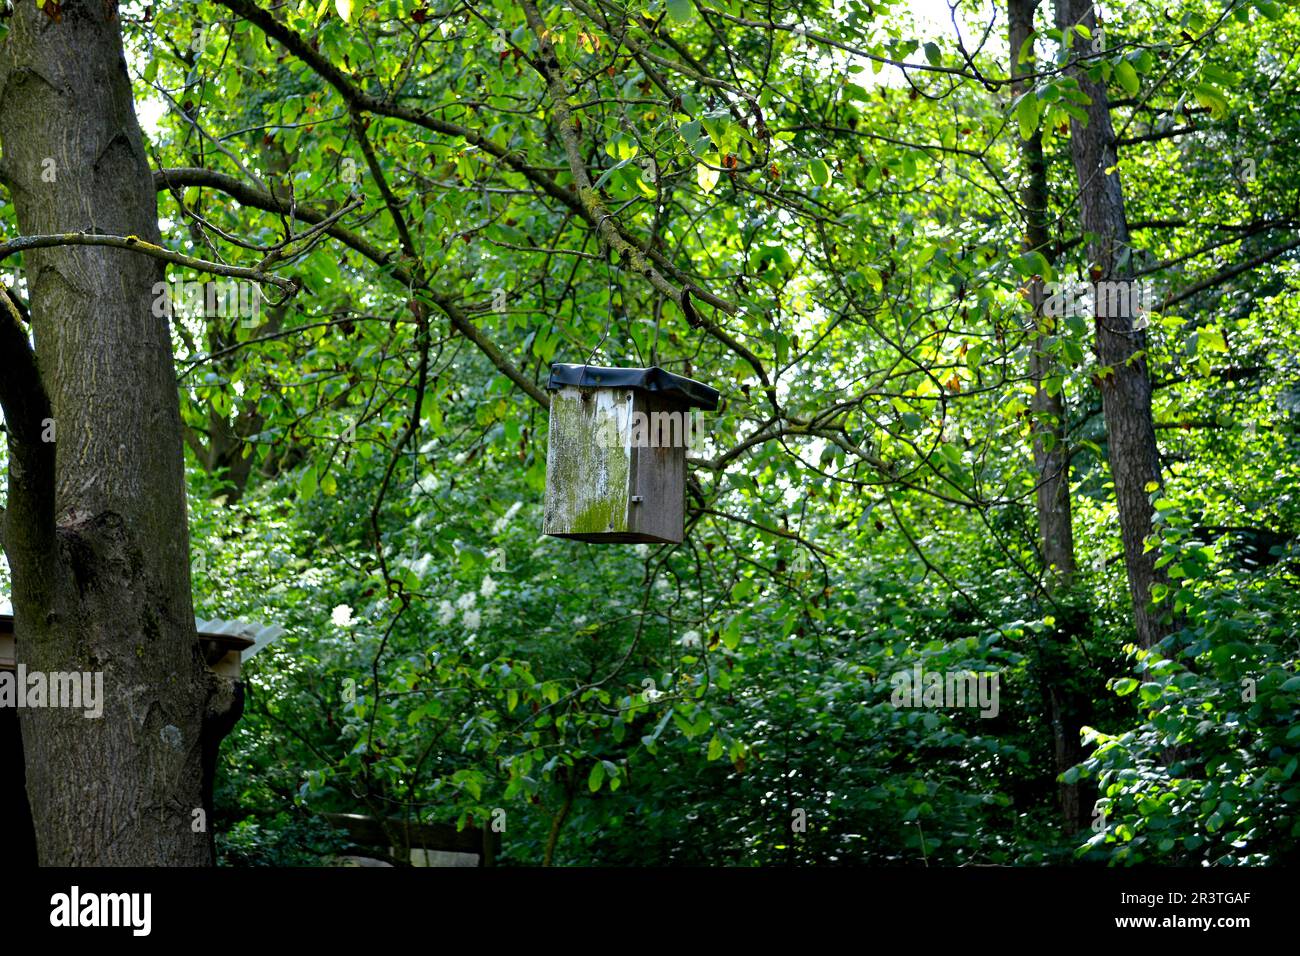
(1120, 345)
(95, 528)
(1051, 457)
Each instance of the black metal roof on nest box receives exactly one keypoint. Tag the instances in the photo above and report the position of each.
(653, 379)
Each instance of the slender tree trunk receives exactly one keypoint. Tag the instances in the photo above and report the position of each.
(1120, 345)
(95, 529)
(561, 815)
(1051, 459)
(1055, 523)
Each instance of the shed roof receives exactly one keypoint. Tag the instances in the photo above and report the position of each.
(653, 379)
(244, 638)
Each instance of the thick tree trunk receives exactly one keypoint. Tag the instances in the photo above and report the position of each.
(1120, 345)
(96, 533)
(1051, 459)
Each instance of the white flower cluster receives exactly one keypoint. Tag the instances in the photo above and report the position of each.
(471, 617)
(506, 518)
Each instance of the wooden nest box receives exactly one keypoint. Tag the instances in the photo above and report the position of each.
(616, 453)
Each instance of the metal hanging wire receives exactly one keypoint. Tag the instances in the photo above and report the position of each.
(609, 316)
(654, 342)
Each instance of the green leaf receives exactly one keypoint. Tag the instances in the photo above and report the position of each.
(706, 176)
(1026, 49)
(346, 8)
(1033, 264)
(820, 172)
(1210, 340)
(596, 777)
(1211, 98)
(684, 724)
(1127, 77)
(681, 11)
(1125, 686)
(1027, 112)
(307, 484)
(731, 633)
(716, 748)
(1218, 76)
(1075, 112)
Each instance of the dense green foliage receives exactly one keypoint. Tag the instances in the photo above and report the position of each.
(864, 501)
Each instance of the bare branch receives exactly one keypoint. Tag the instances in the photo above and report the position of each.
(1229, 273)
(136, 244)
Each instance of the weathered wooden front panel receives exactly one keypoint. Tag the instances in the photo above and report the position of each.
(589, 463)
